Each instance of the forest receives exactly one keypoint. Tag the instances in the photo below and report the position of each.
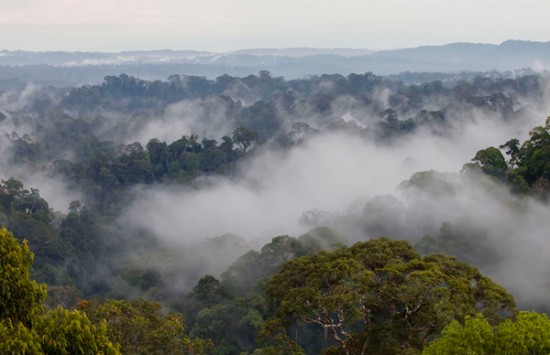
(258, 215)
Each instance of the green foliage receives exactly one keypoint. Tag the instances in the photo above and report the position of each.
(207, 293)
(133, 166)
(233, 311)
(242, 276)
(140, 327)
(511, 149)
(14, 198)
(24, 326)
(530, 164)
(20, 297)
(88, 147)
(245, 137)
(29, 216)
(326, 291)
(491, 162)
(528, 333)
(261, 122)
(187, 158)
(275, 340)
(381, 296)
(245, 274)
(476, 337)
(528, 168)
(16, 338)
(42, 238)
(232, 325)
(71, 332)
(80, 229)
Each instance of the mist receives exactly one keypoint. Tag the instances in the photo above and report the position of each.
(345, 176)
(203, 117)
(328, 172)
(357, 186)
(504, 235)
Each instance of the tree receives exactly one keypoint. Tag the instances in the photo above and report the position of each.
(245, 273)
(81, 229)
(140, 327)
(301, 131)
(20, 296)
(530, 163)
(16, 338)
(529, 333)
(232, 325)
(244, 137)
(329, 293)
(13, 197)
(476, 337)
(71, 332)
(158, 154)
(27, 214)
(24, 325)
(74, 207)
(134, 165)
(512, 150)
(9, 191)
(381, 296)
(491, 162)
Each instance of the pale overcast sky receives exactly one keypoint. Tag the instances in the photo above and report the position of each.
(218, 25)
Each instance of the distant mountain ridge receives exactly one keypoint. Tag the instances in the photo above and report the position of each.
(304, 52)
(84, 67)
(511, 54)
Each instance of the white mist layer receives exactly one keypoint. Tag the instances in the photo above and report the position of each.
(203, 117)
(508, 235)
(329, 173)
(54, 191)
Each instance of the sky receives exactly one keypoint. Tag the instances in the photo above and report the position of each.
(223, 25)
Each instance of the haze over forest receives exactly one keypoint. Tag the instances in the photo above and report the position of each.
(63, 68)
(238, 188)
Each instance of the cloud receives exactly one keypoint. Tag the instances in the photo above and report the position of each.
(206, 117)
(502, 234)
(353, 185)
(328, 172)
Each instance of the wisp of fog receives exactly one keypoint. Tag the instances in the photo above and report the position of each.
(334, 174)
(328, 172)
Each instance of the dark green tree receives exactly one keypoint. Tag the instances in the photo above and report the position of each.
(491, 162)
(245, 137)
(140, 327)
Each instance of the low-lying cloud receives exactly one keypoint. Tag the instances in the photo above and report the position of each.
(328, 172)
(334, 174)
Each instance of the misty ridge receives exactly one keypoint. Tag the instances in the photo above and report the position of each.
(451, 62)
(135, 188)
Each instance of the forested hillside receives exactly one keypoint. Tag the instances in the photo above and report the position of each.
(453, 61)
(259, 215)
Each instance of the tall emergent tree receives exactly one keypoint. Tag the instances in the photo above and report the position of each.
(381, 297)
